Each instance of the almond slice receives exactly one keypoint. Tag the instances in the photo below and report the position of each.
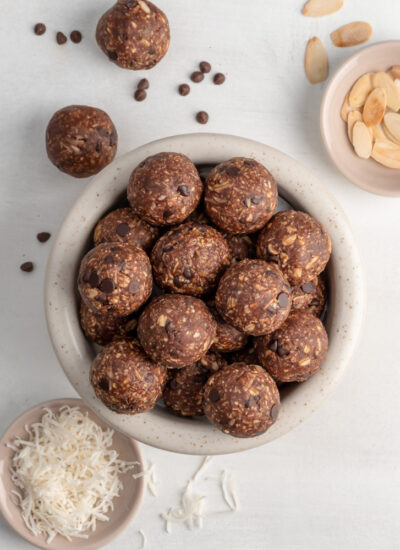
(383, 80)
(387, 153)
(397, 83)
(354, 116)
(316, 61)
(362, 140)
(392, 124)
(375, 107)
(394, 72)
(377, 133)
(352, 34)
(388, 136)
(319, 8)
(361, 90)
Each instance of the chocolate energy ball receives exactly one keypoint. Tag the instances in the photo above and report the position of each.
(165, 189)
(190, 259)
(101, 328)
(227, 338)
(125, 379)
(81, 140)
(123, 226)
(240, 196)
(115, 279)
(241, 247)
(176, 330)
(254, 297)
(246, 355)
(184, 390)
(134, 34)
(310, 297)
(297, 243)
(296, 350)
(241, 400)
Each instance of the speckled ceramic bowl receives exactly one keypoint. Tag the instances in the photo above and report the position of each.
(344, 319)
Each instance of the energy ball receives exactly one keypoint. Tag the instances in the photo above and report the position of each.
(296, 350)
(101, 328)
(115, 279)
(134, 34)
(240, 195)
(310, 297)
(241, 247)
(241, 400)
(246, 355)
(254, 297)
(228, 338)
(190, 259)
(183, 393)
(123, 226)
(297, 243)
(176, 330)
(125, 379)
(81, 140)
(165, 189)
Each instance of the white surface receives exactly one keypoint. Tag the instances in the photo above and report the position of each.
(333, 482)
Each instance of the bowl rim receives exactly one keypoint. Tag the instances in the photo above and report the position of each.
(192, 436)
(378, 190)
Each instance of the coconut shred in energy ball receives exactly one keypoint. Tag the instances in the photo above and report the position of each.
(81, 140)
(134, 34)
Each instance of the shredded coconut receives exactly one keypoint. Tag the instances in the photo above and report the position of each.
(203, 465)
(228, 491)
(67, 474)
(150, 477)
(144, 539)
(191, 510)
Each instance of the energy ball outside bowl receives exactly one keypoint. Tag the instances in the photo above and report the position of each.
(101, 328)
(81, 140)
(124, 226)
(115, 279)
(190, 259)
(165, 189)
(254, 297)
(295, 351)
(240, 196)
(310, 297)
(176, 330)
(241, 400)
(134, 34)
(297, 243)
(125, 379)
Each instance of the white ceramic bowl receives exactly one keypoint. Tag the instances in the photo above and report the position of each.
(298, 186)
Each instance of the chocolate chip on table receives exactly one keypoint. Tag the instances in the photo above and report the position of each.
(123, 229)
(143, 84)
(283, 299)
(43, 237)
(202, 117)
(205, 67)
(308, 288)
(184, 89)
(39, 29)
(106, 286)
(219, 78)
(140, 95)
(197, 76)
(76, 37)
(274, 412)
(27, 267)
(61, 38)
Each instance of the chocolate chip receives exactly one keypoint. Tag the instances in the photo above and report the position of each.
(39, 29)
(184, 89)
(143, 84)
(106, 286)
(205, 67)
(133, 287)
(140, 95)
(273, 345)
(123, 229)
(214, 395)
(104, 384)
(232, 171)
(256, 200)
(178, 282)
(27, 267)
(61, 38)
(98, 146)
(112, 55)
(283, 299)
(219, 78)
(197, 76)
(43, 237)
(282, 352)
(202, 117)
(274, 412)
(109, 259)
(308, 288)
(184, 190)
(249, 162)
(113, 138)
(76, 37)
(252, 401)
(167, 213)
(187, 273)
(94, 279)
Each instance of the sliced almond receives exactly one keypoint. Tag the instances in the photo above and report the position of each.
(362, 140)
(316, 61)
(361, 90)
(354, 116)
(319, 8)
(383, 80)
(346, 109)
(387, 153)
(375, 107)
(392, 123)
(394, 72)
(377, 133)
(397, 83)
(388, 136)
(352, 34)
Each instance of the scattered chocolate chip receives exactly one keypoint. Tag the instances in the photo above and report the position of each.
(123, 229)
(143, 84)
(104, 384)
(202, 117)
(282, 352)
(133, 287)
(106, 286)
(214, 395)
(274, 412)
(184, 89)
(94, 279)
(197, 76)
(308, 288)
(219, 78)
(140, 95)
(256, 200)
(184, 190)
(76, 37)
(283, 299)
(39, 29)
(273, 346)
(61, 38)
(27, 267)
(43, 237)
(187, 273)
(205, 67)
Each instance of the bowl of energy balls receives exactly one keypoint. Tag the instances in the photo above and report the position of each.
(204, 294)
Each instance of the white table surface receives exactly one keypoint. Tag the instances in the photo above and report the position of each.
(334, 481)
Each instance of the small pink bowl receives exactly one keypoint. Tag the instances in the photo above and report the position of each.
(367, 174)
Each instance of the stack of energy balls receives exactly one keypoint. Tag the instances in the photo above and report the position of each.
(202, 296)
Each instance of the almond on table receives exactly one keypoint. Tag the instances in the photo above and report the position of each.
(352, 34)
(316, 61)
(319, 8)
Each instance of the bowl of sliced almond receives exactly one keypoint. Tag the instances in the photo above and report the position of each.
(360, 118)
